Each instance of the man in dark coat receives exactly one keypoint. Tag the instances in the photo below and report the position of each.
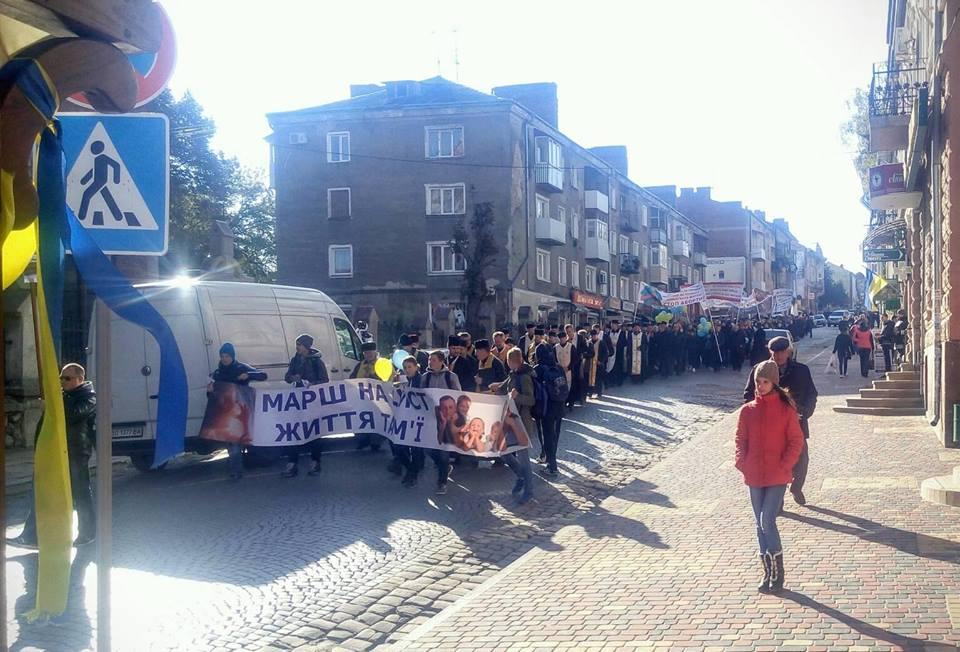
(463, 365)
(795, 378)
(666, 350)
(618, 343)
(80, 408)
(410, 342)
(306, 368)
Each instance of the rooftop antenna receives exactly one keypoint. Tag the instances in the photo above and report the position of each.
(456, 56)
(436, 50)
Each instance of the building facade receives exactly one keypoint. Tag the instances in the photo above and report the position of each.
(915, 135)
(371, 189)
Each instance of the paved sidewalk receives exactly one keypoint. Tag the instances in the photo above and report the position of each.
(669, 561)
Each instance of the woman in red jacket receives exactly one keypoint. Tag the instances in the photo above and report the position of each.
(769, 441)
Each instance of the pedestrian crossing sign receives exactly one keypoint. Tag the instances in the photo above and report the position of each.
(118, 179)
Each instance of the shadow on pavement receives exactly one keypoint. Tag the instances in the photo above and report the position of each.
(864, 628)
(897, 538)
(76, 618)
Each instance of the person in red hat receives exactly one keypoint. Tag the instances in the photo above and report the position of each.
(768, 444)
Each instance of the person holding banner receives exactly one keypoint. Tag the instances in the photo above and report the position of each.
(490, 370)
(230, 370)
(410, 457)
(439, 377)
(519, 387)
(306, 368)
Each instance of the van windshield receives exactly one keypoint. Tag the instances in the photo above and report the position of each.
(347, 340)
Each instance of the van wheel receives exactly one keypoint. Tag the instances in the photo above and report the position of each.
(144, 461)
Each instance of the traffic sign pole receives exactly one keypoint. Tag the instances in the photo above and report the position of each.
(104, 475)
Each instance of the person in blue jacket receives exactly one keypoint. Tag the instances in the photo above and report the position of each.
(230, 370)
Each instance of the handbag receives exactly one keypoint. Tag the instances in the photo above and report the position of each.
(833, 365)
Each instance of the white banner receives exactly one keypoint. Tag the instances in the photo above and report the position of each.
(727, 291)
(782, 298)
(687, 295)
(483, 425)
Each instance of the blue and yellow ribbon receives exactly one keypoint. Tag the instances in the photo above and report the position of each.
(56, 228)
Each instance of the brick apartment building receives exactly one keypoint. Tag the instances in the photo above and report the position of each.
(370, 189)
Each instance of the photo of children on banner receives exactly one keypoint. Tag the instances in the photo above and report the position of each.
(229, 413)
(462, 425)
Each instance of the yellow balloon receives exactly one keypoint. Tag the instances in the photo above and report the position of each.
(383, 368)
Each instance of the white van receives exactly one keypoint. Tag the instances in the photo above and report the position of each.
(262, 321)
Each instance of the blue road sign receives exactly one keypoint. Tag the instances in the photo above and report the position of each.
(118, 179)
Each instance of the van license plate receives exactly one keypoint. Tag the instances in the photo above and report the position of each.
(128, 432)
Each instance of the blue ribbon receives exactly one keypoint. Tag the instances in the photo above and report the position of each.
(127, 302)
(59, 227)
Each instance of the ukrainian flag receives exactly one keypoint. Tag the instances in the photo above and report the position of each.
(874, 284)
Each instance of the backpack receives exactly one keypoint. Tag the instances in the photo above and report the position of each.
(550, 384)
(541, 396)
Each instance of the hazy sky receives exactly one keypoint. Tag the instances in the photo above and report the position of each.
(746, 96)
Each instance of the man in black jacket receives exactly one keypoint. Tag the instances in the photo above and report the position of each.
(80, 410)
(795, 378)
(463, 365)
(306, 368)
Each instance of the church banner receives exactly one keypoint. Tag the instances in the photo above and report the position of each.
(730, 292)
(782, 299)
(482, 425)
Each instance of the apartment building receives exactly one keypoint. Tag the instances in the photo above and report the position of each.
(370, 189)
(914, 228)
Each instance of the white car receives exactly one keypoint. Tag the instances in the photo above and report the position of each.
(819, 320)
(781, 332)
(838, 316)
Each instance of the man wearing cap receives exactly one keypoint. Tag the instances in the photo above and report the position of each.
(306, 368)
(409, 342)
(796, 379)
(527, 340)
(490, 370)
(463, 365)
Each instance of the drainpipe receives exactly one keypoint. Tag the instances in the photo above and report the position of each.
(748, 270)
(937, 217)
(526, 215)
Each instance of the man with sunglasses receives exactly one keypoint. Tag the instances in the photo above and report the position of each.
(80, 408)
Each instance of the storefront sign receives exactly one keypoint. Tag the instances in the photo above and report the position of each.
(629, 306)
(613, 303)
(587, 300)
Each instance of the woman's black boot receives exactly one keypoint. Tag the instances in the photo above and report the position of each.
(776, 574)
(767, 562)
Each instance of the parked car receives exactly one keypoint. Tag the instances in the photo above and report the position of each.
(261, 320)
(838, 316)
(819, 320)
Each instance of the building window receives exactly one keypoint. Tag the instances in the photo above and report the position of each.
(657, 219)
(340, 261)
(624, 288)
(574, 274)
(561, 270)
(446, 199)
(613, 286)
(655, 256)
(441, 259)
(645, 255)
(339, 203)
(575, 224)
(644, 215)
(543, 208)
(574, 178)
(635, 248)
(590, 278)
(543, 265)
(338, 147)
(597, 229)
(444, 142)
(550, 152)
(562, 215)
(613, 240)
(636, 291)
(721, 275)
(624, 244)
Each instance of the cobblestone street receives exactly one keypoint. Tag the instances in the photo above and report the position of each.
(349, 558)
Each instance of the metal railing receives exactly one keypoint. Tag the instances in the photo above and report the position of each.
(893, 90)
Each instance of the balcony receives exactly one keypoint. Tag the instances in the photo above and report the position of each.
(629, 264)
(551, 231)
(597, 249)
(596, 200)
(656, 274)
(760, 253)
(699, 258)
(658, 237)
(549, 178)
(888, 189)
(893, 92)
(680, 249)
(629, 222)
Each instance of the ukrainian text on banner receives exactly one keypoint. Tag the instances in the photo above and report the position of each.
(686, 296)
(782, 298)
(468, 423)
(729, 291)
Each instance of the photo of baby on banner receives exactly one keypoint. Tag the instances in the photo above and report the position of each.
(482, 425)
(229, 413)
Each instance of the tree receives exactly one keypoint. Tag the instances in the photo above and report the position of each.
(478, 247)
(833, 293)
(206, 185)
(855, 133)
